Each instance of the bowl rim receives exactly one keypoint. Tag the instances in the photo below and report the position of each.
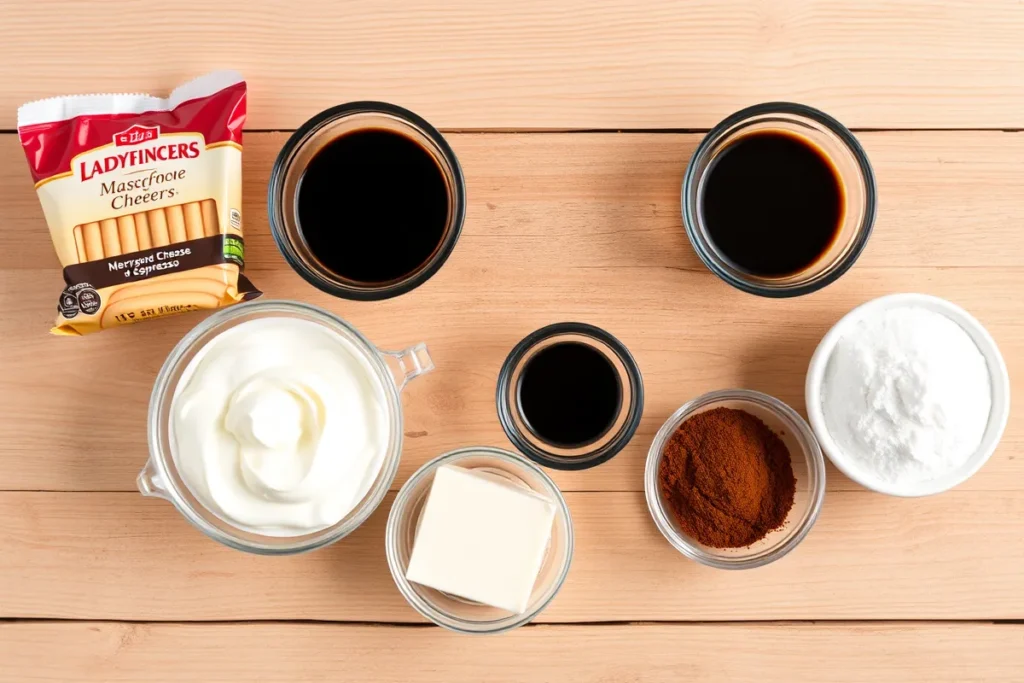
(426, 610)
(689, 189)
(507, 408)
(815, 465)
(998, 375)
(277, 220)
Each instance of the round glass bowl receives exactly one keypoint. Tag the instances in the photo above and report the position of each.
(455, 613)
(998, 375)
(160, 477)
(808, 468)
(849, 162)
(291, 164)
(620, 429)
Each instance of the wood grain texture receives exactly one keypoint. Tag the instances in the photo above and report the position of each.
(536, 64)
(582, 226)
(283, 653)
(543, 201)
(120, 556)
(689, 333)
(560, 227)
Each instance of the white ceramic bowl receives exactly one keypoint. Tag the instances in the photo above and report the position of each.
(1000, 380)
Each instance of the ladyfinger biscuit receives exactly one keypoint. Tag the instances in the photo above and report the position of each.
(219, 272)
(93, 241)
(155, 305)
(126, 232)
(111, 240)
(193, 220)
(142, 231)
(158, 227)
(176, 224)
(211, 225)
(181, 285)
(80, 244)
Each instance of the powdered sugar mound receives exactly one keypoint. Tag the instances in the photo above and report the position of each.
(907, 395)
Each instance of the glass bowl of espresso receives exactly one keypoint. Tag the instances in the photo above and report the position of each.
(779, 199)
(366, 201)
(570, 396)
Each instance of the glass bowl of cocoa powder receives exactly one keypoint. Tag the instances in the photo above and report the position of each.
(735, 479)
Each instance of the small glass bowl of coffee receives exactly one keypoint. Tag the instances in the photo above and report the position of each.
(570, 396)
(779, 199)
(450, 611)
(366, 201)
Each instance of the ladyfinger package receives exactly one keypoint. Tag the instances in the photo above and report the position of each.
(143, 197)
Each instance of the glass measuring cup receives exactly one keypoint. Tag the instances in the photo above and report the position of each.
(392, 370)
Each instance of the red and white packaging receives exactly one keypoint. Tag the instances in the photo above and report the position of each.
(143, 197)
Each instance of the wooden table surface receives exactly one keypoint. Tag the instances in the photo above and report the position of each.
(573, 121)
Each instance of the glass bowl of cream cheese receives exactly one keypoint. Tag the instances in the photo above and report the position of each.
(461, 547)
(275, 427)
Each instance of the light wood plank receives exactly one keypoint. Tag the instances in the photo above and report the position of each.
(119, 556)
(541, 201)
(568, 237)
(74, 410)
(283, 653)
(58, 436)
(535, 64)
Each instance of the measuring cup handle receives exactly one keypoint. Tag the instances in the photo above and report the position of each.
(408, 364)
(150, 482)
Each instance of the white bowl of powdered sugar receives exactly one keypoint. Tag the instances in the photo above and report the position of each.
(908, 395)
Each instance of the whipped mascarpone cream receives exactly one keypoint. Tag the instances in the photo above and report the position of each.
(280, 426)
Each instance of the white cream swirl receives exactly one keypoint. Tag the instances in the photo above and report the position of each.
(279, 425)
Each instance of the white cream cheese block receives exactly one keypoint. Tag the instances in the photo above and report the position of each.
(481, 538)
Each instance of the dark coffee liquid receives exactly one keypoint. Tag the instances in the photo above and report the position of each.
(772, 203)
(569, 394)
(373, 206)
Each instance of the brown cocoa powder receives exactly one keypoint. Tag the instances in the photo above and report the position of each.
(727, 478)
